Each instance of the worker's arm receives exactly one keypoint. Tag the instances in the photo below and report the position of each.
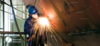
(28, 27)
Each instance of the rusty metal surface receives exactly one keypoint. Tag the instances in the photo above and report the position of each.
(82, 15)
(86, 39)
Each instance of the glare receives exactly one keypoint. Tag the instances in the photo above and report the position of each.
(43, 25)
(51, 15)
(43, 21)
(8, 39)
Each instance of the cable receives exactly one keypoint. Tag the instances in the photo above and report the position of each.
(17, 24)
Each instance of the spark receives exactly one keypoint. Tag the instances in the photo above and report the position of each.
(43, 21)
(42, 24)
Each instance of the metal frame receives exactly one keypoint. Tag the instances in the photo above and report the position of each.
(3, 24)
(2, 2)
(3, 12)
(14, 7)
(1, 28)
(11, 13)
(2, 32)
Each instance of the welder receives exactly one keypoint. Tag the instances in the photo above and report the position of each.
(29, 27)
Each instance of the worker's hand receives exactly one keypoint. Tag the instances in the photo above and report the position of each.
(33, 36)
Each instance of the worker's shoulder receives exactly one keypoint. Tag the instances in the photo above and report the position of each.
(28, 20)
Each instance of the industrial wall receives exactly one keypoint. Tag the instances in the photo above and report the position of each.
(91, 39)
(72, 16)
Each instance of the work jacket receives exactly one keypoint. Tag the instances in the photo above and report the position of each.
(29, 29)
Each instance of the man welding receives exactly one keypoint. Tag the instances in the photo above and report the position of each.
(29, 27)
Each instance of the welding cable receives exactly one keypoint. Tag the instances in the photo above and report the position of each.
(17, 24)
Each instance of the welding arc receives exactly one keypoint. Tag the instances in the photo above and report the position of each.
(17, 24)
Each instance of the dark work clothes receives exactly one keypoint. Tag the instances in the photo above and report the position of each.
(29, 29)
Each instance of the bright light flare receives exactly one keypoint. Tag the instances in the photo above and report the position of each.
(43, 21)
(42, 26)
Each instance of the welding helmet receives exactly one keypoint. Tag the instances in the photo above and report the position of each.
(32, 10)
